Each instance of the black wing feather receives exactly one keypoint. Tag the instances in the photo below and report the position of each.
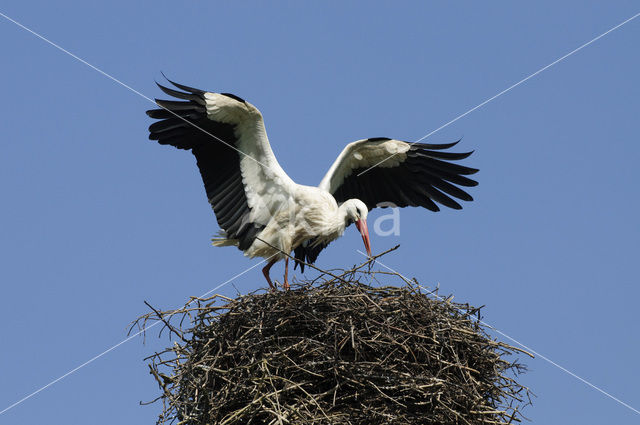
(181, 95)
(185, 88)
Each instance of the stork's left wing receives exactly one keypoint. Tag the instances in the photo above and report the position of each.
(403, 174)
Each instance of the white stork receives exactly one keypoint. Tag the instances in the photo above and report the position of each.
(265, 213)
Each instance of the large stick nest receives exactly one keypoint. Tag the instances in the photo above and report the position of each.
(335, 350)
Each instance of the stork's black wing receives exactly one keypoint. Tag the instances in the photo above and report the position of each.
(386, 172)
(186, 124)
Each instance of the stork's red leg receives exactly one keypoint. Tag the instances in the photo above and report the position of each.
(265, 272)
(286, 274)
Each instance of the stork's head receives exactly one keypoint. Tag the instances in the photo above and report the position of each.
(356, 212)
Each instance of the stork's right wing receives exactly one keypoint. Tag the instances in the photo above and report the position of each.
(242, 178)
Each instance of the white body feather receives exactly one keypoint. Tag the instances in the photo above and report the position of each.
(291, 213)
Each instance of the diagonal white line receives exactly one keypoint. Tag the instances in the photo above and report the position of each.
(127, 87)
(91, 360)
(518, 342)
(480, 105)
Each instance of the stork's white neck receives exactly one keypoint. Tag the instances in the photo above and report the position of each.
(335, 223)
(349, 212)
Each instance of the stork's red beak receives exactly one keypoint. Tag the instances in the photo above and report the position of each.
(364, 231)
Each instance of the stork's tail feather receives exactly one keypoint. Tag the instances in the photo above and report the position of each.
(221, 240)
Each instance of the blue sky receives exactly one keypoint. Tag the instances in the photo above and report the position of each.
(95, 218)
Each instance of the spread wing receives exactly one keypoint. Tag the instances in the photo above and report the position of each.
(226, 134)
(403, 174)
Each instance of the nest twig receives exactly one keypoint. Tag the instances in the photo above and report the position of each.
(338, 349)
